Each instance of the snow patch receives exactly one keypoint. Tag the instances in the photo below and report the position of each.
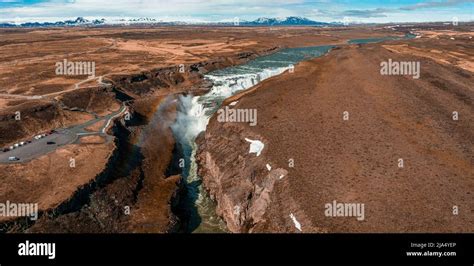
(297, 224)
(256, 146)
(237, 210)
(269, 167)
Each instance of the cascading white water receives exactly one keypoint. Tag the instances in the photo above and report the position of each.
(226, 86)
(192, 118)
(194, 114)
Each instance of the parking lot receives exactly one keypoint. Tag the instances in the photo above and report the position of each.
(55, 139)
(39, 147)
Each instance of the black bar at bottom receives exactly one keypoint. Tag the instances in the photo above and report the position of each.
(243, 248)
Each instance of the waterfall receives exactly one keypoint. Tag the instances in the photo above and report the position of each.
(194, 112)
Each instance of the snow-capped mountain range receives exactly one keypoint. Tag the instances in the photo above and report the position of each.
(288, 21)
(81, 21)
(77, 22)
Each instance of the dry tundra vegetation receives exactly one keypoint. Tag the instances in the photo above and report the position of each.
(299, 117)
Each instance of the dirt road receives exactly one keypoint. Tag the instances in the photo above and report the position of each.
(58, 139)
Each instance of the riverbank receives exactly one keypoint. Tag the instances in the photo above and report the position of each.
(312, 156)
(136, 189)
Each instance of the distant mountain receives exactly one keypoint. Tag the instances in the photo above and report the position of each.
(288, 21)
(80, 21)
(152, 20)
(7, 25)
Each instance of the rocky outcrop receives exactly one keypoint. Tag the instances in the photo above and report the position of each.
(147, 82)
(33, 117)
(239, 182)
(132, 194)
(92, 100)
(136, 179)
(187, 77)
(352, 160)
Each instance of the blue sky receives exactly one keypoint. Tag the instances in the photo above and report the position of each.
(227, 10)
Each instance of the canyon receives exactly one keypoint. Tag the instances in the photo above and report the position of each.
(334, 129)
(136, 183)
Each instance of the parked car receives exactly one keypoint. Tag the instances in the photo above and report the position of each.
(5, 149)
(13, 158)
(50, 142)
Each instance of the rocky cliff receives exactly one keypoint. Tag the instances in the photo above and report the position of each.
(250, 190)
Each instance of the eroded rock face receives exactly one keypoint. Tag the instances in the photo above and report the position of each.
(238, 181)
(352, 161)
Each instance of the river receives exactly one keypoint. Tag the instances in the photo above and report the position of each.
(194, 113)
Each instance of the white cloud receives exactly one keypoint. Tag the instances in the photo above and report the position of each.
(226, 10)
(199, 9)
